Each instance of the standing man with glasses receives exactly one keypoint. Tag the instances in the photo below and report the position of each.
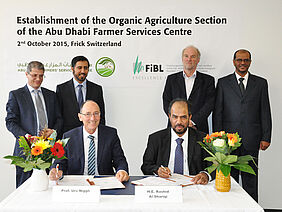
(242, 105)
(74, 92)
(93, 149)
(31, 109)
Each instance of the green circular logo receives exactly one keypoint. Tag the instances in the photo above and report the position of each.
(105, 66)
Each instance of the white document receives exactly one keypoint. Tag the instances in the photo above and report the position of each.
(107, 183)
(174, 180)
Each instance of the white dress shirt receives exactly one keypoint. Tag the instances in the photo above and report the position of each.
(189, 83)
(174, 136)
(31, 90)
(245, 81)
(86, 141)
(83, 88)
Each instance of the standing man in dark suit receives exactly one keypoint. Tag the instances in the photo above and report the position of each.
(30, 109)
(193, 85)
(93, 149)
(73, 93)
(242, 105)
(175, 149)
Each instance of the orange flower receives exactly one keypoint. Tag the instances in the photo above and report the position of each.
(232, 139)
(37, 150)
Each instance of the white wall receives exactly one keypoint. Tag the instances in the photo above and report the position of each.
(135, 106)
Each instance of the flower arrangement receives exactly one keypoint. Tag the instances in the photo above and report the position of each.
(38, 152)
(220, 145)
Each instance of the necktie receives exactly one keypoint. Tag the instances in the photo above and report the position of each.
(178, 160)
(91, 156)
(80, 96)
(40, 111)
(241, 85)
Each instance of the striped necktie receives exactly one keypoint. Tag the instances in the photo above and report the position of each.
(91, 156)
(80, 96)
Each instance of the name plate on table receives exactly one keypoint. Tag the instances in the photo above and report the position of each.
(76, 193)
(158, 194)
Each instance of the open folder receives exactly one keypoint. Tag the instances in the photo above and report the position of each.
(173, 180)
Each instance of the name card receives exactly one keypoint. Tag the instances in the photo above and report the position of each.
(76, 193)
(158, 194)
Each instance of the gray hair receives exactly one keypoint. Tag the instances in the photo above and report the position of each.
(191, 46)
(36, 65)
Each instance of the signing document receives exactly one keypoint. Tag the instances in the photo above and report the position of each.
(173, 180)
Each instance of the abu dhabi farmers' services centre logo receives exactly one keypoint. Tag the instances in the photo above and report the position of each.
(105, 66)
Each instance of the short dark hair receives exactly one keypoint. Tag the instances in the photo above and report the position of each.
(35, 64)
(241, 50)
(180, 100)
(78, 58)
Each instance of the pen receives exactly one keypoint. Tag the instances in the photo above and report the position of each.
(57, 172)
(165, 170)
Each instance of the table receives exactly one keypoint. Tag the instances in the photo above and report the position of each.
(195, 198)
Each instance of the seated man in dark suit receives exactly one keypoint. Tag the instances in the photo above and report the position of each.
(93, 149)
(175, 149)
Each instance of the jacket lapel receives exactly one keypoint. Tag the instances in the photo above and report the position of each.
(29, 103)
(234, 84)
(100, 145)
(181, 83)
(251, 85)
(197, 84)
(166, 145)
(73, 95)
(191, 145)
(80, 148)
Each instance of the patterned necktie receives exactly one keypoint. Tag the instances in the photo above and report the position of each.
(80, 96)
(178, 160)
(241, 85)
(91, 156)
(40, 111)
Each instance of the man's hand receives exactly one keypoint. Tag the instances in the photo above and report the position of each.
(122, 175)
(264, 145)
(201, 178)
(54, 175)
(46, 132)
(164, 172)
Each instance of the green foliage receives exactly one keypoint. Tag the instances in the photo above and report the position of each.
(220, 153)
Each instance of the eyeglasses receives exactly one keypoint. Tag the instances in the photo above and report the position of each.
(41, 76)
(88, 115)
(241, 60)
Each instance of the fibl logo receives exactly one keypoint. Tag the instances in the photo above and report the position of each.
(138, 67)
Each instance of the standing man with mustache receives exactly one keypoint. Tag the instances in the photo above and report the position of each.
(175, 149)
(73, 93)
(242, 105)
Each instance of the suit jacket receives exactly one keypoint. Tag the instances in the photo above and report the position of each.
(249, 115)
(158, 150)
(21, 115)
(201, 97)
(110, 154)
(69, 106)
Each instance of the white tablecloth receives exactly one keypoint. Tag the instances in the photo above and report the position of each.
(195, 198)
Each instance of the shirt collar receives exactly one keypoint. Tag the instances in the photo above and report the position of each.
(246, 77)
(86, 134)
(75, 83)
(193, 75)
(31, 89)
(174, 136)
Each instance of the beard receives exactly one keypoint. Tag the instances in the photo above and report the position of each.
(80, 77)
(180, 132)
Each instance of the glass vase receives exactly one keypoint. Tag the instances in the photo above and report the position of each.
(222, 183)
